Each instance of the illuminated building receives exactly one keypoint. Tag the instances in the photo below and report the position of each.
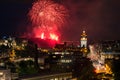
(84, 39)
(5, 75)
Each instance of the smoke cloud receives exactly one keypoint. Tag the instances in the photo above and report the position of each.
(100, 19)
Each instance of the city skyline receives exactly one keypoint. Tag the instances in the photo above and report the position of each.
(99, 18)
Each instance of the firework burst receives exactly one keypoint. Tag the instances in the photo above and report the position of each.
(46, 12)
(47, 16)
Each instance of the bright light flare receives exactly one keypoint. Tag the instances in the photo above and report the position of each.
(49, 36)
(53, 36)
(45, 34)
(42, 36)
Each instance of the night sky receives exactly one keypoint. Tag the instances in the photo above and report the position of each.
(100, 18)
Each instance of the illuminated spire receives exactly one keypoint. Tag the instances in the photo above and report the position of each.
(83, 34)
(83, 39)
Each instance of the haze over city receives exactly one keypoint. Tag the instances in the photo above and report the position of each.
(100, 18)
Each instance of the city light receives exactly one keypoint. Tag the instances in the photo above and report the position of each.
(98, 61)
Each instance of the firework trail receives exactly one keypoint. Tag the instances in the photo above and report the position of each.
(47, 16)
(97, 59)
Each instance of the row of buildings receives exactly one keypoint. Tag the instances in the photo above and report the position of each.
(16, 50)
(59, 58)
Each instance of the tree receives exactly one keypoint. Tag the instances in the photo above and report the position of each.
(33, 52)
(4, 50)
(116, 69)
(83, 68)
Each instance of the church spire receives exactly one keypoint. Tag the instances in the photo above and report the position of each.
(83, 34)
(83, 39)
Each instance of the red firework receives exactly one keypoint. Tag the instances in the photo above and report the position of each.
(46, 12)
(47, 16)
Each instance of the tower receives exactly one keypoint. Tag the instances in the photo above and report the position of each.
(83, 39)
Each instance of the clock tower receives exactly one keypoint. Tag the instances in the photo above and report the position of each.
(83, 39)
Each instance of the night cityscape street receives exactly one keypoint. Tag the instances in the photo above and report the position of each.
(59, 40)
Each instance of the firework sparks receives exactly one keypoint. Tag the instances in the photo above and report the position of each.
(98, 61)
(47, 16)
(46, 11)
